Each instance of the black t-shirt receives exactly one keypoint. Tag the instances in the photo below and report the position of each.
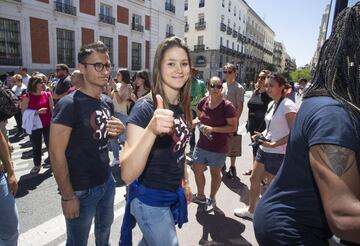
(257, 105)
(62, 86)
(164, 169)
(87, 151)
(291, 212)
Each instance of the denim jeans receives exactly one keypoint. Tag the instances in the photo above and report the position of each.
(121, 138)
(9, 220)
(156, 224)
(98, 203)
(36, 141)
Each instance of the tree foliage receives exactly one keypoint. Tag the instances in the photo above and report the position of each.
(301, 73)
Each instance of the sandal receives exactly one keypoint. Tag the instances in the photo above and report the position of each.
(35, 169)
(198, 200)
(248, 172)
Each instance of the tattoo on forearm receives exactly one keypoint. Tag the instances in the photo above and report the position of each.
(337, 158)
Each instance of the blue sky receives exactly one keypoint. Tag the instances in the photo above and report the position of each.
(296, 23)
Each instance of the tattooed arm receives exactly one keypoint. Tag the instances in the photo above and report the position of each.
(337, 176)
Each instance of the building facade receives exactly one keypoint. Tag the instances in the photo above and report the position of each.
(224, 31)
(215, 33)
(38, 34)
(279, 56)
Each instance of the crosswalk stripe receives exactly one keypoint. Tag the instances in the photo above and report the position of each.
(55, 227)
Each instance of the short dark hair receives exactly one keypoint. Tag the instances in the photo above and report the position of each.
(87, 49)
(33, 81)
(24, 69)
(63, 67)
(125, 75)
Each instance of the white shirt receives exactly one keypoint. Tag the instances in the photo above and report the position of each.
(278, 124)
(18, 90)
(25, 80)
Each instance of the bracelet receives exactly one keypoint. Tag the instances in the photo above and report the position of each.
(67, 200)
(186, 182)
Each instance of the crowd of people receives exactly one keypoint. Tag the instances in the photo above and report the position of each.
(308, 157)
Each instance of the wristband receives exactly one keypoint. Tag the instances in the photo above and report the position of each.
(67, 200)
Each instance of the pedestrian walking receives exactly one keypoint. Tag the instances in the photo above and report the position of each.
(153, 162)
(63, 84)
(37, 104)
(234, 92)
(317, 191)
(218, 118)
(272, 141)
(9, 222)
(82, 124)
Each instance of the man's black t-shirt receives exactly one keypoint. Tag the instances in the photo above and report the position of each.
(62, 86)
(257, 105)
(87, 151)
(165, 165)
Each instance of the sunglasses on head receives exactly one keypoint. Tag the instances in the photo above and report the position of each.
(217, 86)
(228, 72)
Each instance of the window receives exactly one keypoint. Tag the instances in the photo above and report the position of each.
(222, 18)
(223, 3)
(229, 6)
(65, 40)
(10, 43)
(229, 22)
(200, 40)
(105, 10)
(233, 45)
(201, 18)
(137, 23)
(239, 14)
(109, 44)
(221, 41)
(135, 56)
(169, 30)
(234, 10)
(201, 3)
(186, 5)
(185, 40)
(238, 47)
(227, 43)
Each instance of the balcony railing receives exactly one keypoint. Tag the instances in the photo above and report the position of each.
(169, 34)
(170, 7)
(235, 34)
(137, 27)
(186, 27)
(200, 26)
(199, 47)
(65, 8)
(229, 31)
(222, 27)
(107, 19)
(11, 61)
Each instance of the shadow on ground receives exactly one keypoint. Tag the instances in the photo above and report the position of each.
(222, 230)
(30, 182)
(235, 185)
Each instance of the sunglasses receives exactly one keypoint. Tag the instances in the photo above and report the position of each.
(262, 77)
(229, 72)
(217, 86)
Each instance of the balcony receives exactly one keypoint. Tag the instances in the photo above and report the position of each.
(169, 34)
(186, 27)
(65, 8)
(199, 47)
(107, 19)
(222, 27)
(235, 34)
(200, 26)
(10, 61)
(170, 7)
(229, 31)
(137, 27)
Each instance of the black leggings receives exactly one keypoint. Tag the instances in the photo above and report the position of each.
(18, 118)
(36, 141)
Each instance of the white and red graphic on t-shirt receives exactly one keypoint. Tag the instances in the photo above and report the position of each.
(180, 136)
(98, 120)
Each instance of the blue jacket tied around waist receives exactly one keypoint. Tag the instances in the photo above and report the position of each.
(152, 197)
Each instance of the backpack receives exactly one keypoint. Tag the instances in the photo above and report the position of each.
(8, 102)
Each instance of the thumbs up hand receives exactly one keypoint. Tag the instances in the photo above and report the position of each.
(162, 120)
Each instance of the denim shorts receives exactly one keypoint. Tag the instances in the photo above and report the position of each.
(211, 159)
(272, 161)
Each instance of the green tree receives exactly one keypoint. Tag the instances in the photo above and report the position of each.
(301, 73)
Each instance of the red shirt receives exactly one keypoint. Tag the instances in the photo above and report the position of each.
(41, 101)
(215, 117)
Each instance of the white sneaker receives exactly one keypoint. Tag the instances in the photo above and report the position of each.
(243, 213)
(114, 162)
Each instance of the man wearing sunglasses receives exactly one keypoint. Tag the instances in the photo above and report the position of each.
(64, 84)
(234, 92)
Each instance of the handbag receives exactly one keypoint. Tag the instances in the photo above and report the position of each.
(234, 145)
